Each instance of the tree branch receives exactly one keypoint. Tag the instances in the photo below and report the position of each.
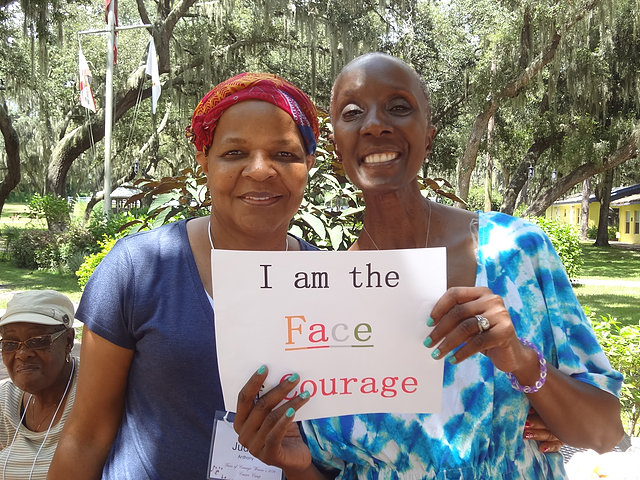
(625, 152)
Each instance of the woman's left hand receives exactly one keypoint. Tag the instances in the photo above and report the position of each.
(536, 429)
(455, 323)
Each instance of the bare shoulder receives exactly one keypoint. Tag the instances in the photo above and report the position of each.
(456, 229)
(451, 226)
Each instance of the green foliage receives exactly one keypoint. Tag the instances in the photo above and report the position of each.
(592, 232)
(621, 344)
(114, 225)
(91, 262)
(475, 200)
(33, 249)
(566, 240)
(54, 209)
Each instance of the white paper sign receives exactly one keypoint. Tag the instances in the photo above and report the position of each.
(351, 324)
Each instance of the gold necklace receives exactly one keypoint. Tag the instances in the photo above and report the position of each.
(364, 227)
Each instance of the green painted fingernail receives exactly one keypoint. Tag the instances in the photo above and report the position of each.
(290, 412)
(435, 353)
(452, 360)
(427, 342)
(430, 322)
(304, 395)
(261, 370)
(293, 377)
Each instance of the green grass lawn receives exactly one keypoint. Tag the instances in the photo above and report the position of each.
(16, 215)
(622, 303)
(13, 278)
(612, 262)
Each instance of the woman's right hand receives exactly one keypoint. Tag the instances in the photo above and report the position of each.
(267, 430)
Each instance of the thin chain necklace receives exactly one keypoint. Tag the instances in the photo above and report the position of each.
(33, 409)
(364, 227)
(286, 242)
(46, 435)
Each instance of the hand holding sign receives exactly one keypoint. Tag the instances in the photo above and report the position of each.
(268, 432)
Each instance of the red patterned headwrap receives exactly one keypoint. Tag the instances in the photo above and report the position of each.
(253, 86)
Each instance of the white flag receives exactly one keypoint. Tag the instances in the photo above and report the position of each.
(86, 95)
(152, 69)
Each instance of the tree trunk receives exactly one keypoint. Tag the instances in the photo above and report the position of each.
(12, 148)
(626, 152)
(602, 239)
(519, 177)
(584, 208)
(511, 90)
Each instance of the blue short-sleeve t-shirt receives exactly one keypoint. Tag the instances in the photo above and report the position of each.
(146, 296)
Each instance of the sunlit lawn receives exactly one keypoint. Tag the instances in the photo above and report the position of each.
(612, 262)
(16, 215)
(622, 303)
(13, 279)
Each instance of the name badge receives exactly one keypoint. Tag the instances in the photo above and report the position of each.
(229, 460)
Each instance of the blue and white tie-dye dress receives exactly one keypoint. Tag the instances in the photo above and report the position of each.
(479, 432)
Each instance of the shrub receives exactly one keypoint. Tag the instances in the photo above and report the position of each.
(566, 240)
(54, 209)
(101, 226)
(592, 232)
(33, 249)
(621, 344)
(91, 262)
(475, 200)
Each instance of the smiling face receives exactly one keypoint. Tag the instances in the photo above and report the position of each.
(34, 371)
(256, 169)
(379, 113)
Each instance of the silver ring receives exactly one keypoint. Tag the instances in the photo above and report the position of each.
(483, 323)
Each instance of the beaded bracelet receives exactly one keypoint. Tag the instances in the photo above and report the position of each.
(543, 371)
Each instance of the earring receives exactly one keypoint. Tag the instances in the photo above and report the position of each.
(68, 359)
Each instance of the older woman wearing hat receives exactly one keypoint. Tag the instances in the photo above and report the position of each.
(149, 386)
(37, 338)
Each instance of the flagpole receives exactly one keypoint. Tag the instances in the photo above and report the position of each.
(108, 109)
(108, 104)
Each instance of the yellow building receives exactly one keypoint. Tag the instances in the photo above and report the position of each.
(629, 218)
(568, 210)
(624, 199)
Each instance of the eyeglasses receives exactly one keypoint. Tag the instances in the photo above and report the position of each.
(41, 342)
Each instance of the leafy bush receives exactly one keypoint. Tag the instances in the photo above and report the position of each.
(101, 225)
(592, 232)
(8, 235)
(33, 249)
(54, 209)
(566, 240)
(475, 200)
(621, 344)
(91, 262)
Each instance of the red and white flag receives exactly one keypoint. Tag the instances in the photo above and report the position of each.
(152, 69)
(86, 95)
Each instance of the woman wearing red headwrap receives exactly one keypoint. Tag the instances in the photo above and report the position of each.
(148, 388)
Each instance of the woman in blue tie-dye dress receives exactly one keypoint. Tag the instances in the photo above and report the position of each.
(508, 310)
